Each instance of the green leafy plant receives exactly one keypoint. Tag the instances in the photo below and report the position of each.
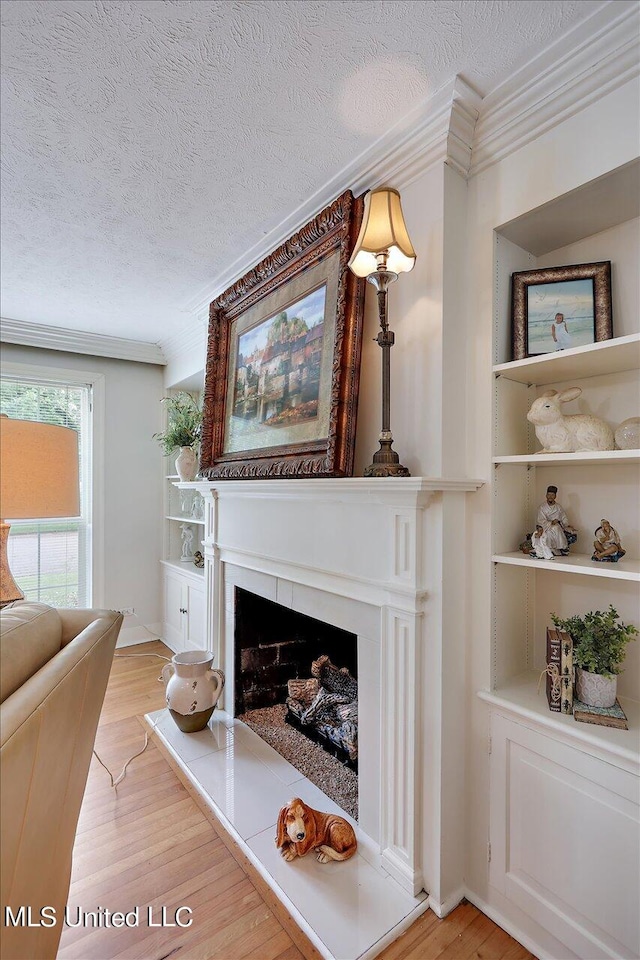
(184, 424)
(599, 640)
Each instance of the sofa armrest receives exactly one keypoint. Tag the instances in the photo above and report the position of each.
(33, 694)
(74, 621)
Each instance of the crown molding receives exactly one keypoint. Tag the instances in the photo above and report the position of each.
(190, 337)
(592, 60)
(77, 341)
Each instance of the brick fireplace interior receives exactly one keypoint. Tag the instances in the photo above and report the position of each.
(274, 644)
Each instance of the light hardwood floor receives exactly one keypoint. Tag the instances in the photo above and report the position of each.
(152, 843)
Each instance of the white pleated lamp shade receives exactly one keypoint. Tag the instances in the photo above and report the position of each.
(383, 230)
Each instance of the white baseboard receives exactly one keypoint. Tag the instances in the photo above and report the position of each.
(444, 907)
(136, 633)
(534, 946)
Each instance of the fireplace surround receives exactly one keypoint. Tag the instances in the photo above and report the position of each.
(369, 556)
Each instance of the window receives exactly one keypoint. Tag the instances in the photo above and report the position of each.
(51, 559)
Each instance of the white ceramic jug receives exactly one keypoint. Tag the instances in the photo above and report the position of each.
(192, 689)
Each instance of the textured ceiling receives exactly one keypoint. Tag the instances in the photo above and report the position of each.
(148, 143)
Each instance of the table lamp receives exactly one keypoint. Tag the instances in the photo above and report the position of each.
(39, 478)
(383, 250)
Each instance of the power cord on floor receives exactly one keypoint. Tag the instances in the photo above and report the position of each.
(123, 772)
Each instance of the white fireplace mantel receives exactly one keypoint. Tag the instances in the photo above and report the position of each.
(369, 555)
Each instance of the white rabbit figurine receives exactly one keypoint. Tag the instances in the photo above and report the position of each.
(560, 434)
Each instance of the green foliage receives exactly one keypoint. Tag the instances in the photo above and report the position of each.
(47, 404)
(184, 425)
(599, 641)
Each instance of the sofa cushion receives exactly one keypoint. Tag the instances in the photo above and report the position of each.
(30, 635)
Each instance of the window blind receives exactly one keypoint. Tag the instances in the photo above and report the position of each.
(51, 559)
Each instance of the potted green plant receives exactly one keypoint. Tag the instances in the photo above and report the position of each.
(599, 641)
(183, 431)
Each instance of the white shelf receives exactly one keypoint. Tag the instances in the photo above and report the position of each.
(587, 458)
(594, 360)
(185, 520)
(172, 476)
(520, 696)
(189, 569)
(625, 569)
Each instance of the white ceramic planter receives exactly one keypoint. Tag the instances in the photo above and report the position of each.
(187, 464)
(594, 689)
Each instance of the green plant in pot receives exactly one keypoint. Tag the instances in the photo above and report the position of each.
(183, 431)
(599, 642)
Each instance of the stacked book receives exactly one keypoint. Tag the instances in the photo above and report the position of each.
(604, 716)
(559, 671)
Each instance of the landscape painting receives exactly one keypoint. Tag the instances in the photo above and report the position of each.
(278, 365)
(283, 358)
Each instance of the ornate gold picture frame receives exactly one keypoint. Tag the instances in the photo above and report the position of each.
(283, 358)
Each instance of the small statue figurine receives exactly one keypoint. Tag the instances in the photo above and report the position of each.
(301, 829)
(540, 545)
(526, 546)
(607, 546)
(187, 540)
(196, 507)
(198, 559)
(555, 523)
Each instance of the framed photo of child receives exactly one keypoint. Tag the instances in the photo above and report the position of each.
(558, 308)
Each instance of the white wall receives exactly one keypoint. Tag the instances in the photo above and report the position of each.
(133, 469)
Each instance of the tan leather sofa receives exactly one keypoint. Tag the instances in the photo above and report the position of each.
(54, 667)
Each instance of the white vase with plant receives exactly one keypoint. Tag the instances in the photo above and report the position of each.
(599, 641)
(183, 431)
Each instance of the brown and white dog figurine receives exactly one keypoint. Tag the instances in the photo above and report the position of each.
(301, 828)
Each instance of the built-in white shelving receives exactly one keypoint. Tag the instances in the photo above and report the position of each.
(188, 569)
(549, 774)
(186, 520)
(589, 458)
(625, 569)
(592, 484)
(593, 360)
(525, 696)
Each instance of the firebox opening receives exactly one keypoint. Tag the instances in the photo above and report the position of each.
(296, 686)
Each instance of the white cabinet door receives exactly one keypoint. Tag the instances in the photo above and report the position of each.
(195, 605)
(174, 618)
(565, 840)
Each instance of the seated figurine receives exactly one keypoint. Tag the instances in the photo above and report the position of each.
(555, 523)
(607, 546)
(540, 548)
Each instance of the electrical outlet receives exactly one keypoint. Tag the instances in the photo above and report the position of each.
(128, 611)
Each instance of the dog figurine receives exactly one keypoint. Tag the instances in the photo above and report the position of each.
(301, 828)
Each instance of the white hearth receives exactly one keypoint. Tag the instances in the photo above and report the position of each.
(349, 911)
(375, 557)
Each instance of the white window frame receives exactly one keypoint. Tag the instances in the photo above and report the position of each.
(96, 439)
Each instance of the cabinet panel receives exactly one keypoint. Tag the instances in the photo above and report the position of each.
(184, 612)
(195, 605)
(173, 616)
(565, 837)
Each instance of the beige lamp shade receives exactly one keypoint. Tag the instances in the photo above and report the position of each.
(383, 230)
(39, 474)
